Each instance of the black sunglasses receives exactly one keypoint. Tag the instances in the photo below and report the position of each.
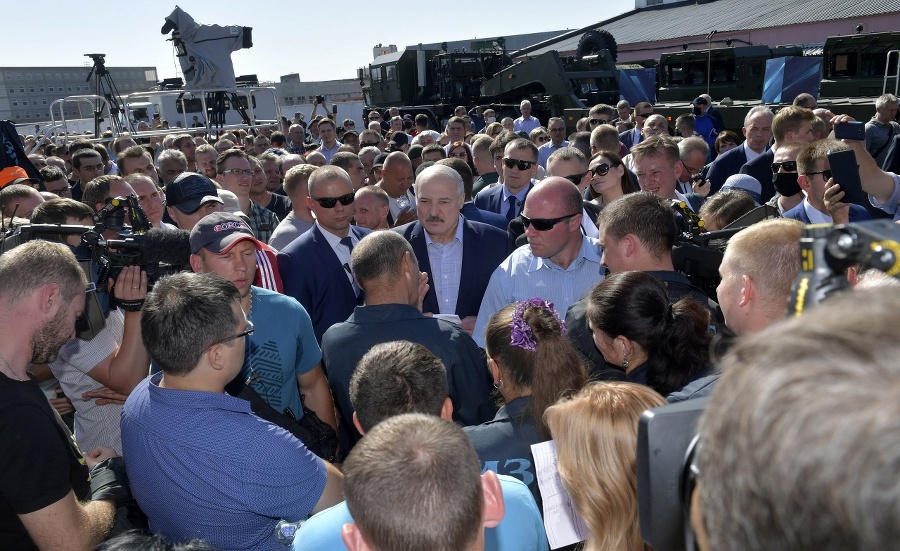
(790, 166)
(521, 165)
(826, 174)
(599, 121)
(601, 170)
(368, 144)
(576, 178)
(544, 224)
(330, 202)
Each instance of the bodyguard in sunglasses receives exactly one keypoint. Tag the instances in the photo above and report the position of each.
(518, 168)
(315, 267)
(559, 264)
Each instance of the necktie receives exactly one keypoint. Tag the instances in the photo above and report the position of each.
(348, 242)
(511, 213)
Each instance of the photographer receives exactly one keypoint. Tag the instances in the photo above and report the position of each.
(115, 358)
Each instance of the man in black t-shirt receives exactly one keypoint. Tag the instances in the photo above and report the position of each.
(44, 479)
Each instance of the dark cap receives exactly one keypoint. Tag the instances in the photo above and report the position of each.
(379, 159)
(700, 100)
(189, 190)
(348, 132)
(219, 231)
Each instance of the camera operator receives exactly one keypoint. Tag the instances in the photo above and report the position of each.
(798, 446)
(882, 187)
(115, 358)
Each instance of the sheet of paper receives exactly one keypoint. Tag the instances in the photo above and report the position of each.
(452, 318)
(564, 526)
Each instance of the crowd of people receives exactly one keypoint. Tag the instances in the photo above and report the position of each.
(374, 326)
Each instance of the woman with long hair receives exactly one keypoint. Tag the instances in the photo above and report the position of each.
(657, 343)
(596, 439)
(609, 178)
(462, 151)
(533, 365)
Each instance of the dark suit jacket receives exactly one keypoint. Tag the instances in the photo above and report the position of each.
(490, 199)
(857, 214)
(627, 138)
(475, 214)
(484, 248)
(725, 165)
(761, 169)
(312, 274)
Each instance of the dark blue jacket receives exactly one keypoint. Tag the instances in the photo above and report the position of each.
(484, 248)
(727, 164)
(312, 274)
(857, 214)
(761, 169)
(475, 214)
(491, 199)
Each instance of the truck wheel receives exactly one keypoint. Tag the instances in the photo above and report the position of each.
(593, 41)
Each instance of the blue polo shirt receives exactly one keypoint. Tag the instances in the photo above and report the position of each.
(202, 465)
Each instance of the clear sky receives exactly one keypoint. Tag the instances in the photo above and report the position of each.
(318, 40)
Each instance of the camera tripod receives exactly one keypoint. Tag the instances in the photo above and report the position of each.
(105, 88)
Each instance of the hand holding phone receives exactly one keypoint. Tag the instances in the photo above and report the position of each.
(845, 172)
(852, 130)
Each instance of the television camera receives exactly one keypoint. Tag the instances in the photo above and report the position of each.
(158, 252)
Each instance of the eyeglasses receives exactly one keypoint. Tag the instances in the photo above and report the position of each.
(541, 139)
(644, 115)
(62, 192)
(521, 165)
(330, 202)
(598, 121)
(239, 171)
(788, 166)
(545, 224)
(826, 174)
(245, 333)
(576, 178)
(600, 170)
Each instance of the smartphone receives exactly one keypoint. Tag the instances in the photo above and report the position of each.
(845, 172)
(850, 131)
(334, 108)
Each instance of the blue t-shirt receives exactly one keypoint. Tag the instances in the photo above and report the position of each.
(202, 465)
(282, 347)
(520, 530)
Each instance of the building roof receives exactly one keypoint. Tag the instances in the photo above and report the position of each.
(651, 25)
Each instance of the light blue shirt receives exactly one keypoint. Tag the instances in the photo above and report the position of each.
(520, 530)
(892, 206)
(523, 276)
(446, 268)
(547, 149)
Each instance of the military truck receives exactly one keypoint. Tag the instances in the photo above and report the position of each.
(855, 70)
(435, 82)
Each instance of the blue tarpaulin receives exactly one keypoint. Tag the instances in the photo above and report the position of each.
(637, 85)
(788, 77)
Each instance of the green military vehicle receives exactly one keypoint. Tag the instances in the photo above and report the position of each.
(856, 69)
(435, 82)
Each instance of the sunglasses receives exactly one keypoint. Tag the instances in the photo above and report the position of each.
(599, 121)
(576, 178)
(789, 166)
(600, 170)
(368, 144)
(545, 224)
(541, 139)
(826, 174)
(330, 202)
(521, 165)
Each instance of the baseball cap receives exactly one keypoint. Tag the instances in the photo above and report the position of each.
(379, 160)
(190, 190)
(745, 183)
(399, 139)
(219, 231)
(699, 100)
(15, 175)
